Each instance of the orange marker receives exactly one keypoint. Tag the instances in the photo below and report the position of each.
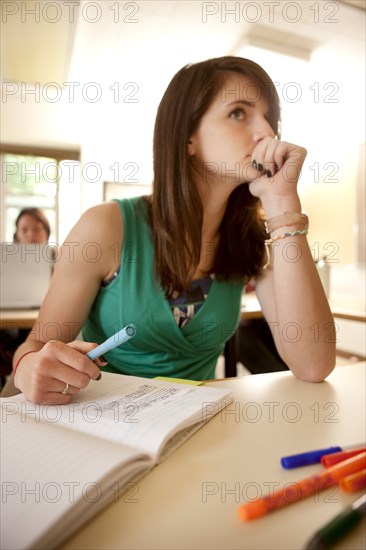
(330, 460)
(303, 488)
(354, 482)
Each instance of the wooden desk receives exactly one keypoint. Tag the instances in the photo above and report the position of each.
(190, 500)
(18, 318)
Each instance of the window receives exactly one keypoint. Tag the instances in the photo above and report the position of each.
(37, 177)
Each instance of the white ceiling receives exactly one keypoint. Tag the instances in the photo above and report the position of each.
(85, 41)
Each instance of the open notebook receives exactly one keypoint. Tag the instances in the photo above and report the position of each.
(25, 274)
(60, 465)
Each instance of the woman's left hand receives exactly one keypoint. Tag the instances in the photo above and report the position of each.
(278, 165)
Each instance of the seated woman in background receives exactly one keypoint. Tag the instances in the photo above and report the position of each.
(31, 226)
(175, 263)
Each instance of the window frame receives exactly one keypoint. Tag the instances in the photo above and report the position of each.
(58, 154)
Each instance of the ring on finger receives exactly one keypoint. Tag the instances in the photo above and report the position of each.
(65, 391)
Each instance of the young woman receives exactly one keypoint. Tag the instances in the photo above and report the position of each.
(31, 227)
(175, 263)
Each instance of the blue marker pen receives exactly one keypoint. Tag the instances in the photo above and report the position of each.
(116, 340)
(312, 457)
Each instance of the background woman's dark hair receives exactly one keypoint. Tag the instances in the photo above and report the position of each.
(176, 210)
(38, 215)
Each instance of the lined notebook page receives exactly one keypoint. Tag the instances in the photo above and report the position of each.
(143, 412)
(47, 471)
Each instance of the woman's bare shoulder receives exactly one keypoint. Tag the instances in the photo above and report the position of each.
(100, 223)
(106, 211)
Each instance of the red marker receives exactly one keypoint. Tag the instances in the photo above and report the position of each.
(303, 488)
(331, 460)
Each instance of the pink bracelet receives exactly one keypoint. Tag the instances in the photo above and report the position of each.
(287, 218)
(21, 357)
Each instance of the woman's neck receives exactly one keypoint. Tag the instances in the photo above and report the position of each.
(214, 202)
(214, 207)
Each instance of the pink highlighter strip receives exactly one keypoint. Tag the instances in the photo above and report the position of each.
(334, 458)
(354, 482)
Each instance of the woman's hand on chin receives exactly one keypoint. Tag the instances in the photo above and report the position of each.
(278, 165)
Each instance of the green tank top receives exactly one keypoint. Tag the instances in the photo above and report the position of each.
(160, 347)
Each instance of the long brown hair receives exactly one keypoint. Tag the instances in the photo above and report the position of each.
(176, 211)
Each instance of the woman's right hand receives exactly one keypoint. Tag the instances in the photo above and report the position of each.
(43, 375)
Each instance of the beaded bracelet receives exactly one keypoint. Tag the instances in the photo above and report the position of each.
(268, 243)
(20, 358)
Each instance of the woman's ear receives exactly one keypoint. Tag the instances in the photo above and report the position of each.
(191, 150)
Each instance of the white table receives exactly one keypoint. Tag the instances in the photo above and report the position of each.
(190, 500)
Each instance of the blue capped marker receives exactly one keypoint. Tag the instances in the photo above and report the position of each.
(304, 459)
(114, 341)
(312, 457)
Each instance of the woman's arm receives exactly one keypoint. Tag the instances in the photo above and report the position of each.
(289, 290)
(87, 257)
